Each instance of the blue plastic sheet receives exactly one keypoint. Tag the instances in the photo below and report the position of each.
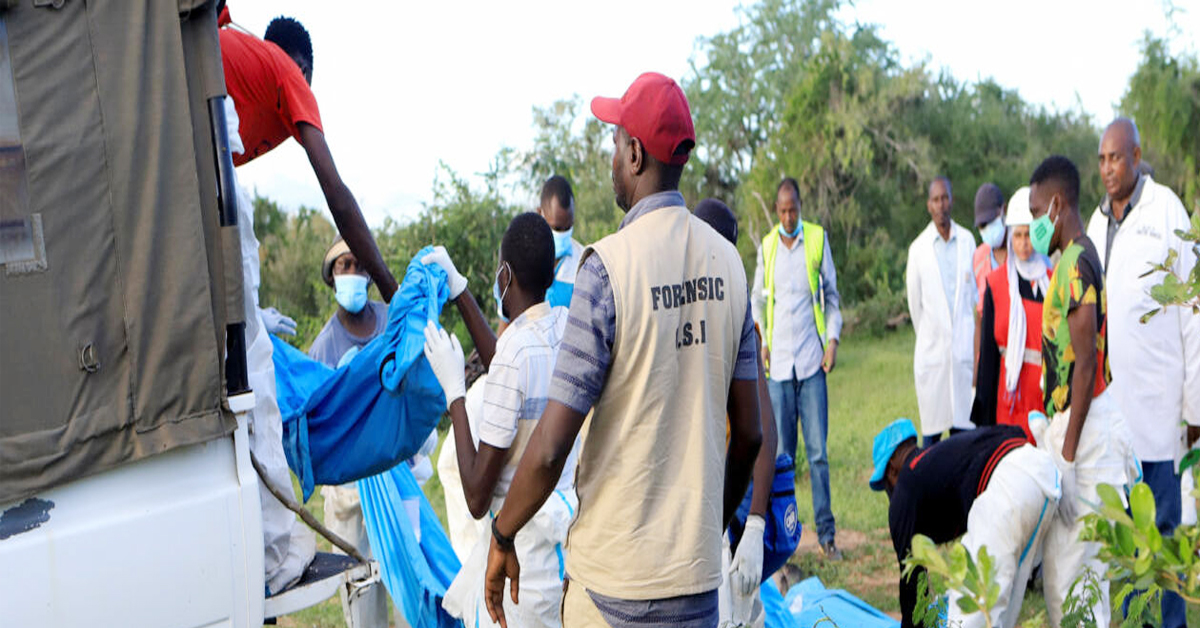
(415, 558)
(775, 613)
(817, 605)
(374, 412)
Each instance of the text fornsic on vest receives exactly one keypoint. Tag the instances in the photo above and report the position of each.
(690, 291)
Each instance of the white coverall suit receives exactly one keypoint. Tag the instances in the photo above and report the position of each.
(1104, 455)
(1011, 518)
(288, 546)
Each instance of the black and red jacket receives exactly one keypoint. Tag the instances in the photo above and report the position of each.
(937, 487)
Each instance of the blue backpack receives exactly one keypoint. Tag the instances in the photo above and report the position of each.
(782, 534)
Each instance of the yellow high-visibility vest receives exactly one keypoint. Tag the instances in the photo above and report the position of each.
(814, 252)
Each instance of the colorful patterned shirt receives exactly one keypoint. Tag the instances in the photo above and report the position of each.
(1077, 281)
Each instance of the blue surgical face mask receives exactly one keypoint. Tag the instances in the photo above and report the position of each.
(795, 232)
(993, 233)
(562, 242)
(351, 292)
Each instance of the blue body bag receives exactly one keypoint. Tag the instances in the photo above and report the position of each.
(782, 533)
(416, 561)
(375, 411)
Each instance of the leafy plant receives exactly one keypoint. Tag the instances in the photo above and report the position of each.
(1079, 607)
(973, 577)
(1176, 290)
(1143, 561)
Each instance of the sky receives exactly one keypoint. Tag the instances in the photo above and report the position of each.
(404, 87)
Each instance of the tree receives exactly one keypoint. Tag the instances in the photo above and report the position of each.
(789, 91)
(736, 87)
(1164, 98)
(579, 147)
(291, 249)
(469, 223)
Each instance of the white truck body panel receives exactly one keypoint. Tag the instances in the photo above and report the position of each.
(171, 540)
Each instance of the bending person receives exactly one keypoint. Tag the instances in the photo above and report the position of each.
(268, 80)
(270, 100)
(515, 394)
(989, 484)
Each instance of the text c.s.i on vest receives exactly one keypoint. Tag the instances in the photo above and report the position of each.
(690, 291)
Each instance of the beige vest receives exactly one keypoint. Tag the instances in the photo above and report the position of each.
(651, 472)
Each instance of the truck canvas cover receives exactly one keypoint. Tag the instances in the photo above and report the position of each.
(112, 269)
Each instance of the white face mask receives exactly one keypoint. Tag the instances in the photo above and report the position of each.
(500, 294)
(993, 233)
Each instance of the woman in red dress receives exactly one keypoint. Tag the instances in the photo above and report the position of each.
(1009, 382)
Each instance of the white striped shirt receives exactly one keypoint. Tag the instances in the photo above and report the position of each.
(517, 387)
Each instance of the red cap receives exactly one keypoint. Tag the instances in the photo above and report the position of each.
(655, 111)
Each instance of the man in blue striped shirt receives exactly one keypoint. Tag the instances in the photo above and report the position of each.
(657, 363)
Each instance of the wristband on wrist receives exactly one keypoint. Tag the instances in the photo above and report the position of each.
(506, 543)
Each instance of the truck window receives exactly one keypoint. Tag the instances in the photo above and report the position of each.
(22, 249)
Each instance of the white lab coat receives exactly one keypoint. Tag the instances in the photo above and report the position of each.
(1156, 365)
(945, 351)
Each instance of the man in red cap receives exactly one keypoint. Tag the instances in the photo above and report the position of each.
(659, 347)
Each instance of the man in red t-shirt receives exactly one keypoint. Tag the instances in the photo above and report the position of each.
(269, 101)
(268, 80)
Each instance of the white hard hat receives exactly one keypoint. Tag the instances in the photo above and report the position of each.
(1018, 209)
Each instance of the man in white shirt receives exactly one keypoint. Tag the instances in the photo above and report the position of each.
(515, 395)
(1155, 365)
(941, 301)
(795, 303)
(557, 207)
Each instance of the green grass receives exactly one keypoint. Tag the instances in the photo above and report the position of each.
(871, 386)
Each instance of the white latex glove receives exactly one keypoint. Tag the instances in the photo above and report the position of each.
(276, 323)
(445, 356)
(454, 280)
(1069, 504)
(745, 572)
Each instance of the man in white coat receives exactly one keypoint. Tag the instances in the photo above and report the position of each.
(941, 301)
(1156, 365)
